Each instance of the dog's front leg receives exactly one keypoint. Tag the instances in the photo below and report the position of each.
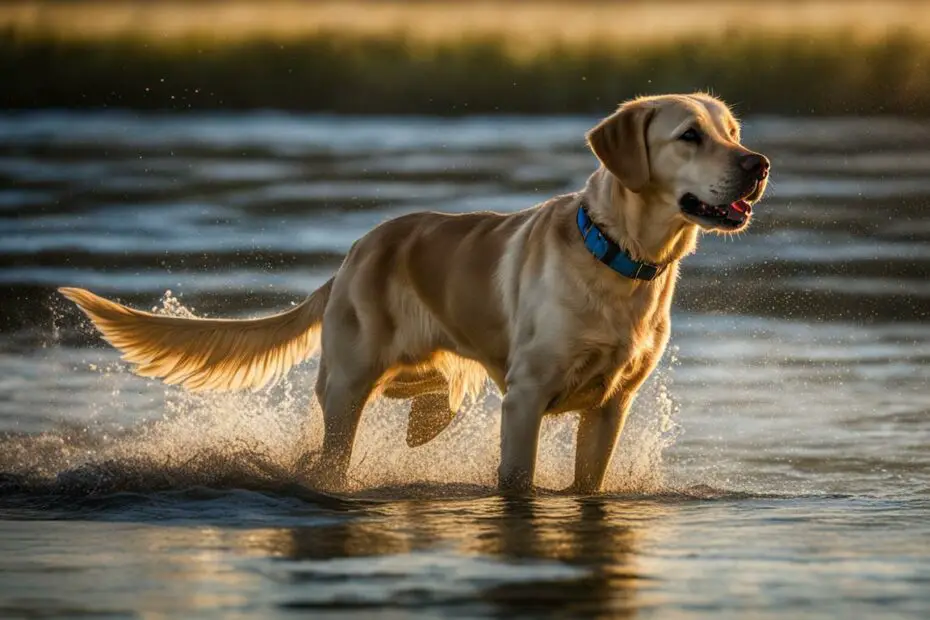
(598, 431)
(522, 417)
(530, 387)
(600, 428)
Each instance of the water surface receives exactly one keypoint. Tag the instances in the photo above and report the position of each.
(776, 465)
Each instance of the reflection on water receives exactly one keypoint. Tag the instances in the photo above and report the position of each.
(775, 466)
(548, 557)
(506, 557)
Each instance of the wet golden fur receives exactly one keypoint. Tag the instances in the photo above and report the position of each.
(428, 305)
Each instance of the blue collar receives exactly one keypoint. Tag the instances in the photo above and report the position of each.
(611, 254)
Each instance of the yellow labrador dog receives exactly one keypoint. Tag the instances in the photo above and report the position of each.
(565, 305)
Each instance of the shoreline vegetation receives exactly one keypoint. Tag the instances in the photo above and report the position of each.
(472, 57)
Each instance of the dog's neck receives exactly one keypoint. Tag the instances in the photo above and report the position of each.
(648, 234)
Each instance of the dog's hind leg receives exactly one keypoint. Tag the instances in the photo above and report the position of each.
(343, 387)
(430, 412)
(429, 415)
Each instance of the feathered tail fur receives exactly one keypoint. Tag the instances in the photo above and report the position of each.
(208, 354)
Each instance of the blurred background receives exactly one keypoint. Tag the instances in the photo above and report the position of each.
(457, 57)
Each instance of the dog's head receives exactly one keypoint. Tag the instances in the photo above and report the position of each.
(686, 150)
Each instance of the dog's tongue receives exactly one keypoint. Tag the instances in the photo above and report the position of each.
(738, 211)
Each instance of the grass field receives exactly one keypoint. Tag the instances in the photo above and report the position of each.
(522, 23)
(464, 57)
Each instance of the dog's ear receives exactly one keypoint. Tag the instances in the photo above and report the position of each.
(619, 141)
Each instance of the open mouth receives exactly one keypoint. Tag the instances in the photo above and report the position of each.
(729, 217)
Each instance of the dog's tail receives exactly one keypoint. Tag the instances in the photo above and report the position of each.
(208, 354)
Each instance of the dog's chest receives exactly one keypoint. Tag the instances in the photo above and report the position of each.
(611, 345)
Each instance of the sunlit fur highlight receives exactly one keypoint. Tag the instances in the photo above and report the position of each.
(427, 305)
(208, 354)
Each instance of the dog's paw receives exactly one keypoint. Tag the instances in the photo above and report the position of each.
(518, 484)
(316, 475)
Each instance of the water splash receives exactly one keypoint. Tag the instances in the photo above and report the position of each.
(262, 441)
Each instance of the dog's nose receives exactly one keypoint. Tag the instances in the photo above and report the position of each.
(756, 164)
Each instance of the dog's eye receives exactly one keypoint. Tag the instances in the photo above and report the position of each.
(691, 135)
